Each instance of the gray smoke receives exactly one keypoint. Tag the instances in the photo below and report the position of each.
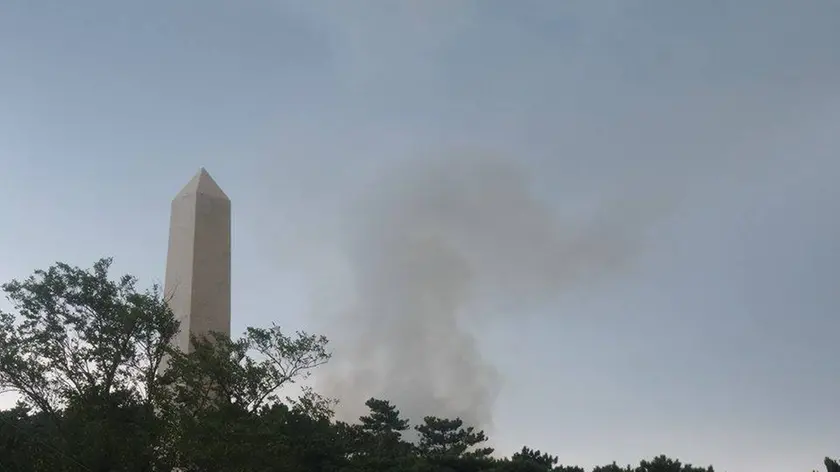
(429, 242)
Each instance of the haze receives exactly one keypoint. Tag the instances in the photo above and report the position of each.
(602, 229)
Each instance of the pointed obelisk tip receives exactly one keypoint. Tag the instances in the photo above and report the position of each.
(203, 184)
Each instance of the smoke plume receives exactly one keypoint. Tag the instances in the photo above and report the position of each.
(427, 244)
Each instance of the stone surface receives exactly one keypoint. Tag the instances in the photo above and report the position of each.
(197, 283)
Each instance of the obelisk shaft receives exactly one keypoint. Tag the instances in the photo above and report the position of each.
(198, 260)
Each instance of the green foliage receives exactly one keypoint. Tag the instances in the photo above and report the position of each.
(85, 353)
(220, 369)
(224, 410)
(82, 352)
(79, 334)
(377, 440)
(543, 460)
(24, 440)
(441, 437)
(531, 460)
(665, 464)
(613, 468)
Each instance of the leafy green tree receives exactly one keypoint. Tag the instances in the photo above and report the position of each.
(384, 426)
(224, 411)
(311, 441)
(612, 468)
(543, 460)
(25, 439)
(249, 372)
(441, 437)
(86, 354)
(665, 464)
(445, 444)
(378, 438)
(82, 351)
(532, 460)
(79, 333)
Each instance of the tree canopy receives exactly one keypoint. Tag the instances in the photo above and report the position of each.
(85, 352)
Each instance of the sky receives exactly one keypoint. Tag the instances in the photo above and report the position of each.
(701, 137)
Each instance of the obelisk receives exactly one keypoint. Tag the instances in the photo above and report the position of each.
(197, 283)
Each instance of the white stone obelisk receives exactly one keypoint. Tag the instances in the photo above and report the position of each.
(197, 281)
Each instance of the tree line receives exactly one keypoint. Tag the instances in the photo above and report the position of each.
(102, 390)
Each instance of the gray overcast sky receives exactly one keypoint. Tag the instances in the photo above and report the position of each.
(718, 344)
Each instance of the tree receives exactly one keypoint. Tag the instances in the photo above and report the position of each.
(664, 464)
(445, 444)
(377, 439)
(85, 352)
(248, 372)
(542, 459)
(532, 460)
(612, 468)
(81, 333)
(25, 439)
(224, 410)
(441, 437)
(82, 350)
(383, 424)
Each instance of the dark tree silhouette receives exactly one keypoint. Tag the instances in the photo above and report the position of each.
(84, 353)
